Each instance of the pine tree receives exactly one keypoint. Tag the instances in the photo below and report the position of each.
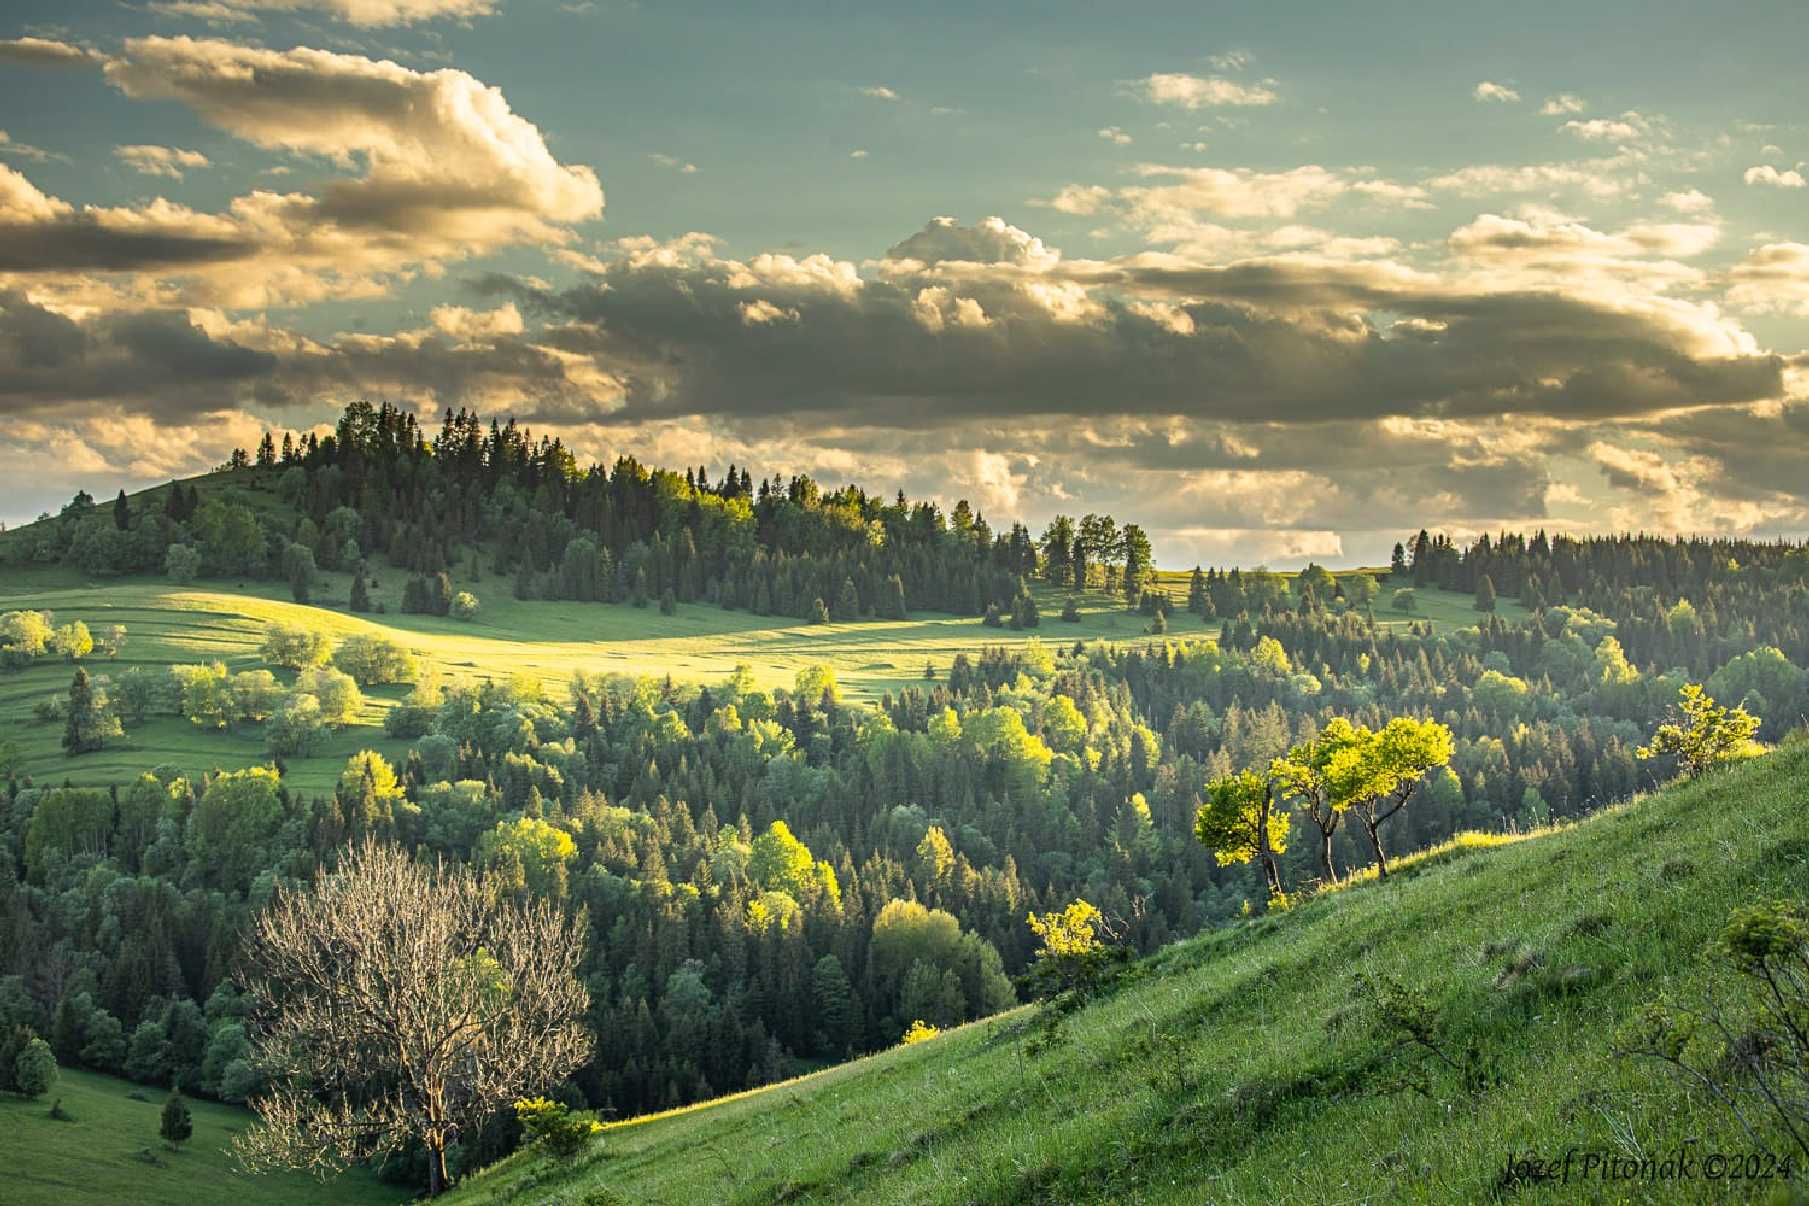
(122, 512)
(361, 595)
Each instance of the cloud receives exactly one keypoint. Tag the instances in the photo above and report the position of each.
(46, 52)
(991, 241)
(428, 167)
(24, 150)
(1772, 279)
(1627, 127)
(363, 13)
(1113, 134)
(1767, 175)
(1688, 201)
(170, 162)
(675, 163)
(1202, 92)
(1288, 339)
(858, 153)
(1564, 102)
(1488, 90)
(879, 92)
(1231, 60)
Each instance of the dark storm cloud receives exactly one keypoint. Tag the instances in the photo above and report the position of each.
(153, 362)
(1253, 342)
(77, 244)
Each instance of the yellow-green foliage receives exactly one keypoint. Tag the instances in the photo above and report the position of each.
(919, 1031)
(1703, 733)
(1072, 932)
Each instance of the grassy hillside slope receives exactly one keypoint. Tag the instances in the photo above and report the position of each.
(1238, 1067)
(100, 1154)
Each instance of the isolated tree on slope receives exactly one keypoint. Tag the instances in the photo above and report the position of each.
(1390, 769)
(1701, 733)
(404, 1002)
(1239, 823)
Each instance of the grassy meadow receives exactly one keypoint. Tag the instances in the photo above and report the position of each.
(108, 1151)
(1237, 1068)
(170, 624)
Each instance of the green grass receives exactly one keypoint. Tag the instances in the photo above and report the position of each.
(168, 624)
(1220, 1071)
(98, 1156)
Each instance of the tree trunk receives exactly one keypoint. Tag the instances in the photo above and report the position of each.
(1375, 839)
(1325, 856)
(436, 1169)
(1272, 873)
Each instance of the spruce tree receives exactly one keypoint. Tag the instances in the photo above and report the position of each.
(1485, 594)
(91, 720)
(361, 595)
(122, 512)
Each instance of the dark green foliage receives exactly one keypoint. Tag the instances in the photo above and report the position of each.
(34, 1068)
(1485, 594)
(90, 719)
(175, 1123)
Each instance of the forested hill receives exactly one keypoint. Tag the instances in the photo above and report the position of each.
(378, 488)
(1400, 1042)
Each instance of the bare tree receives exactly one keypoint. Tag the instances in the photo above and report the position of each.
(398, 1001)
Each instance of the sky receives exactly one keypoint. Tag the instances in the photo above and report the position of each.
(1280, 283)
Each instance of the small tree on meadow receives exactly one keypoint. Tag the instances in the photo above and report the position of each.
(1390, 768)
(1320, 776)
(35, 1068)
(91, 719)
(177, 1123)
(1404, 600)
(1699, 733)
(1239, 823)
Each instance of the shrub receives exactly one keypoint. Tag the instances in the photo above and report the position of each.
(555, 1127)
(176, 1124)
(1702, 733)
(181, 563)
(295, 647)
(372, 660)
(1074, 956)
(1749, 1045)
(920, 1032)
(464, 606)
(1071, 612)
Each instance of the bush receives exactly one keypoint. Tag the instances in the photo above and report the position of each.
(372, 660)
(1749, 1045)
(295, 647)
(1071, 612)
(182, 563)
(464, 606)
(555, 1127)
(176, 1124)
(920, 1031)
